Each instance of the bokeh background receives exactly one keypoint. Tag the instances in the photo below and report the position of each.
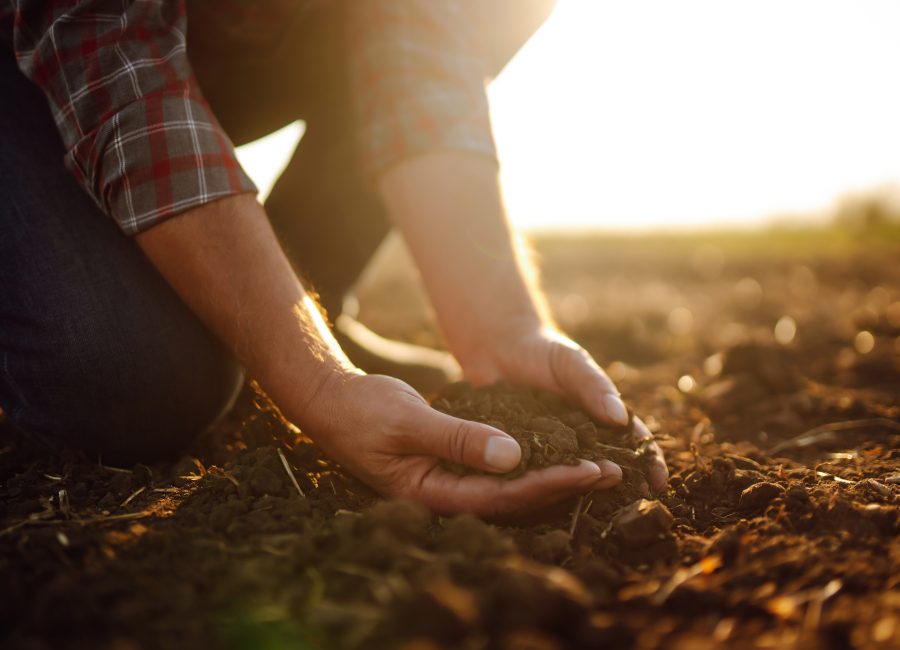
(654, 115)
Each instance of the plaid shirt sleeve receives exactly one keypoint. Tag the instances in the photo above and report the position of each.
(139, 135)
(418, 80)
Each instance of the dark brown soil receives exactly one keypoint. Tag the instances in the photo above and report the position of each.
(548, 429)
(779, 528)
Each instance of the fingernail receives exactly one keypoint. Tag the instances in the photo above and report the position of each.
(595, 476)
(502, 453)
(615, 409)
(611, 471)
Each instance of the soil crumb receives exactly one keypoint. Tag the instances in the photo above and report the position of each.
(549, 430)
(779, 527)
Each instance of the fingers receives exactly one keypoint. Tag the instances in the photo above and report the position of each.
(580, 376)
(658, 472)
(483, 447)
(488, 496)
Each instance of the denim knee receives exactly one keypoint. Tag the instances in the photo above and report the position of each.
(121, 394)
(96, 350)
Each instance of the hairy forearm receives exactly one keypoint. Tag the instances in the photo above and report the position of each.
(225, 263)
(450, 210)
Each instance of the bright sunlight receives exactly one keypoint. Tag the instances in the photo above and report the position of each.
(661, 115)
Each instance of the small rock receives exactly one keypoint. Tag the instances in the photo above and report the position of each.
(552, 547)
(643, 522)
(797, 494)
(758, 496)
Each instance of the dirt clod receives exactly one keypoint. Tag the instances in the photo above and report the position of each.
(767, 535)
(643, 522)
(552, 547)
(759, 495)
(550, 431)
(264, 481)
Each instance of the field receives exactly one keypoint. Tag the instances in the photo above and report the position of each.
(767, 365)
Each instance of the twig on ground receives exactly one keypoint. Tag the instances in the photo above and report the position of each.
(63, 500)
(788, 606)
(576, 515)
(835, 478)
(881, 488)
(218, 471)
(99, 519)
(14, 527)
(114, 469)
(199, 466)
(290, 472)
(706, 565)
(814, 609)
(123, 517)
(825, 433)
(131, 498)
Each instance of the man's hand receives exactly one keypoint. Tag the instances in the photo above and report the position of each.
(492, 315)
(384, 433)
(544, 358)
(224, 261)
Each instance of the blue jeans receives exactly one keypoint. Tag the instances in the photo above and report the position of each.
(96, 351)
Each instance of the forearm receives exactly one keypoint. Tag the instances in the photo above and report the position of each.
(225, 263)
(450, 210)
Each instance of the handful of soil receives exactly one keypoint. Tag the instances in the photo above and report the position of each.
(548, 429)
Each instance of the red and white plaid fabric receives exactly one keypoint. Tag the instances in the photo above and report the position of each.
(144, 143)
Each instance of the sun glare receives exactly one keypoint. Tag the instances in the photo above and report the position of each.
(655, 114)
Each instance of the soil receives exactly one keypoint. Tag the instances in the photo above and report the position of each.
(549, 430)
(779, 528)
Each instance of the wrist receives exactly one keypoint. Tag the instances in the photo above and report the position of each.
(308, 397)
(486, 359)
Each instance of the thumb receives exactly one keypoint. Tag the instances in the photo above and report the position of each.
(460, 441)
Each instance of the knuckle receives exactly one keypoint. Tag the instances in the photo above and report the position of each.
(456, 439)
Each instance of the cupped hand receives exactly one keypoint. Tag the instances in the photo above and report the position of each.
(541, 357)
(383, 432)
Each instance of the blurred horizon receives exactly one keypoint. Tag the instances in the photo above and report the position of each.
(654, 115)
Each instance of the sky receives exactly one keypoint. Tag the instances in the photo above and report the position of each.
(651, 114)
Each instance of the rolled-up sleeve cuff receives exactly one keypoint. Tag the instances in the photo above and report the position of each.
(418, 83)
(429, 120)
(157, 158)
